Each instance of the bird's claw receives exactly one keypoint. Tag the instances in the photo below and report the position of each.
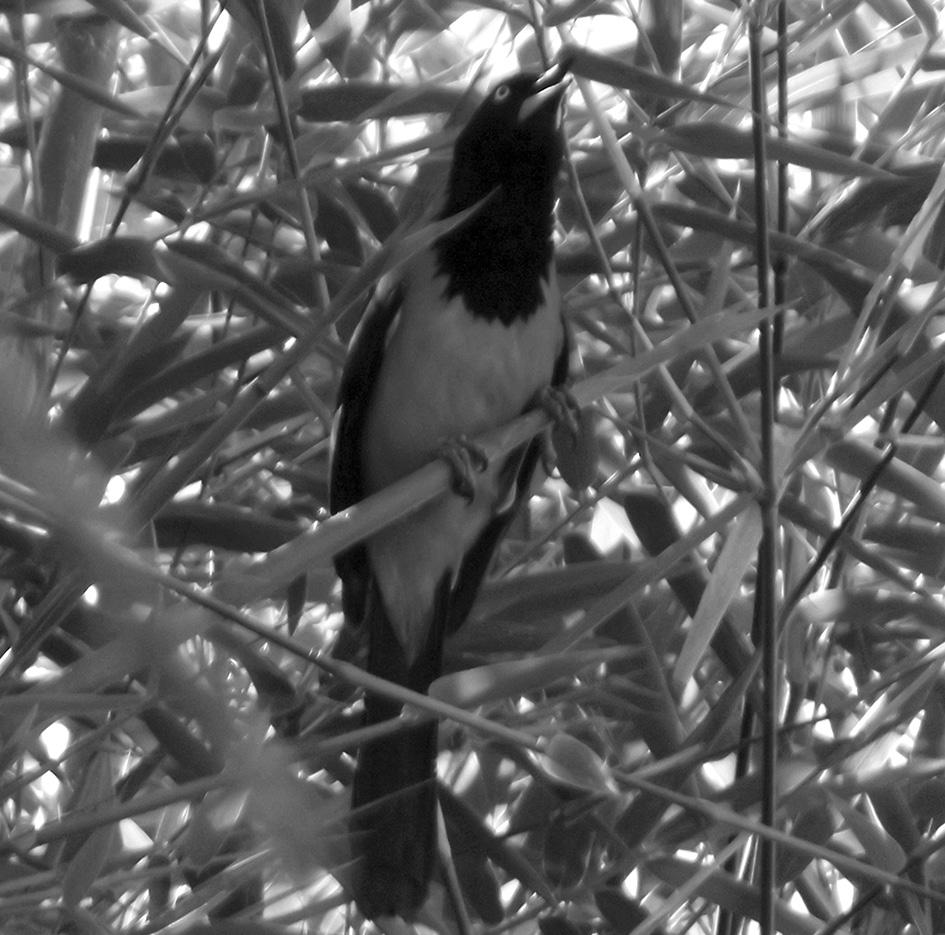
(572, 437)
(465, 460)
(562, 409)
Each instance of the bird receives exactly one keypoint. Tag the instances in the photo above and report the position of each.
(467, 337)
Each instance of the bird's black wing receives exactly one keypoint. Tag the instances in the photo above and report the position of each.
(393, 832)
(346, 484)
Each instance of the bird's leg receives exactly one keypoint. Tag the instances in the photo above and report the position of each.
(562, 408)
(571, 438)
(465, 459)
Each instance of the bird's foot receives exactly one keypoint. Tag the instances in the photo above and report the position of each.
(562, 408)
(572, 437)
(465, 459)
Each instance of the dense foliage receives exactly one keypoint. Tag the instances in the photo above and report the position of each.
(702, 690)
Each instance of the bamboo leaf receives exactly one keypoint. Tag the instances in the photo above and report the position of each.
(726, 581)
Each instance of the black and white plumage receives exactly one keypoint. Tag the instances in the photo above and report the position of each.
(468, 338)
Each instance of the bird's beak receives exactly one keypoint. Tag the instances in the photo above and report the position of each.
(549, 87)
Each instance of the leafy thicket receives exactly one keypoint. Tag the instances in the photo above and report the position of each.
(702, 692)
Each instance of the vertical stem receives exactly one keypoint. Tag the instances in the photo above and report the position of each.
(765, 599)
(780, 260)
(87, 48)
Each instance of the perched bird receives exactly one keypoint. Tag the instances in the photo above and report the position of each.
(469, 337)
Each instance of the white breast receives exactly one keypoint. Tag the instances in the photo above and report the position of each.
(445, 374)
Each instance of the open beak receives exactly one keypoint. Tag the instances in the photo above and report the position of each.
(548, 90)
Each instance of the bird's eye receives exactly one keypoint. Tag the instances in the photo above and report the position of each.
(501, 93)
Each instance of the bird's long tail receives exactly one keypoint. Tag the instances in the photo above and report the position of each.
(393, 824)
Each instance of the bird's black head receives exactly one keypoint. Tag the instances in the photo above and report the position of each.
(512, 141)
(510, 150)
